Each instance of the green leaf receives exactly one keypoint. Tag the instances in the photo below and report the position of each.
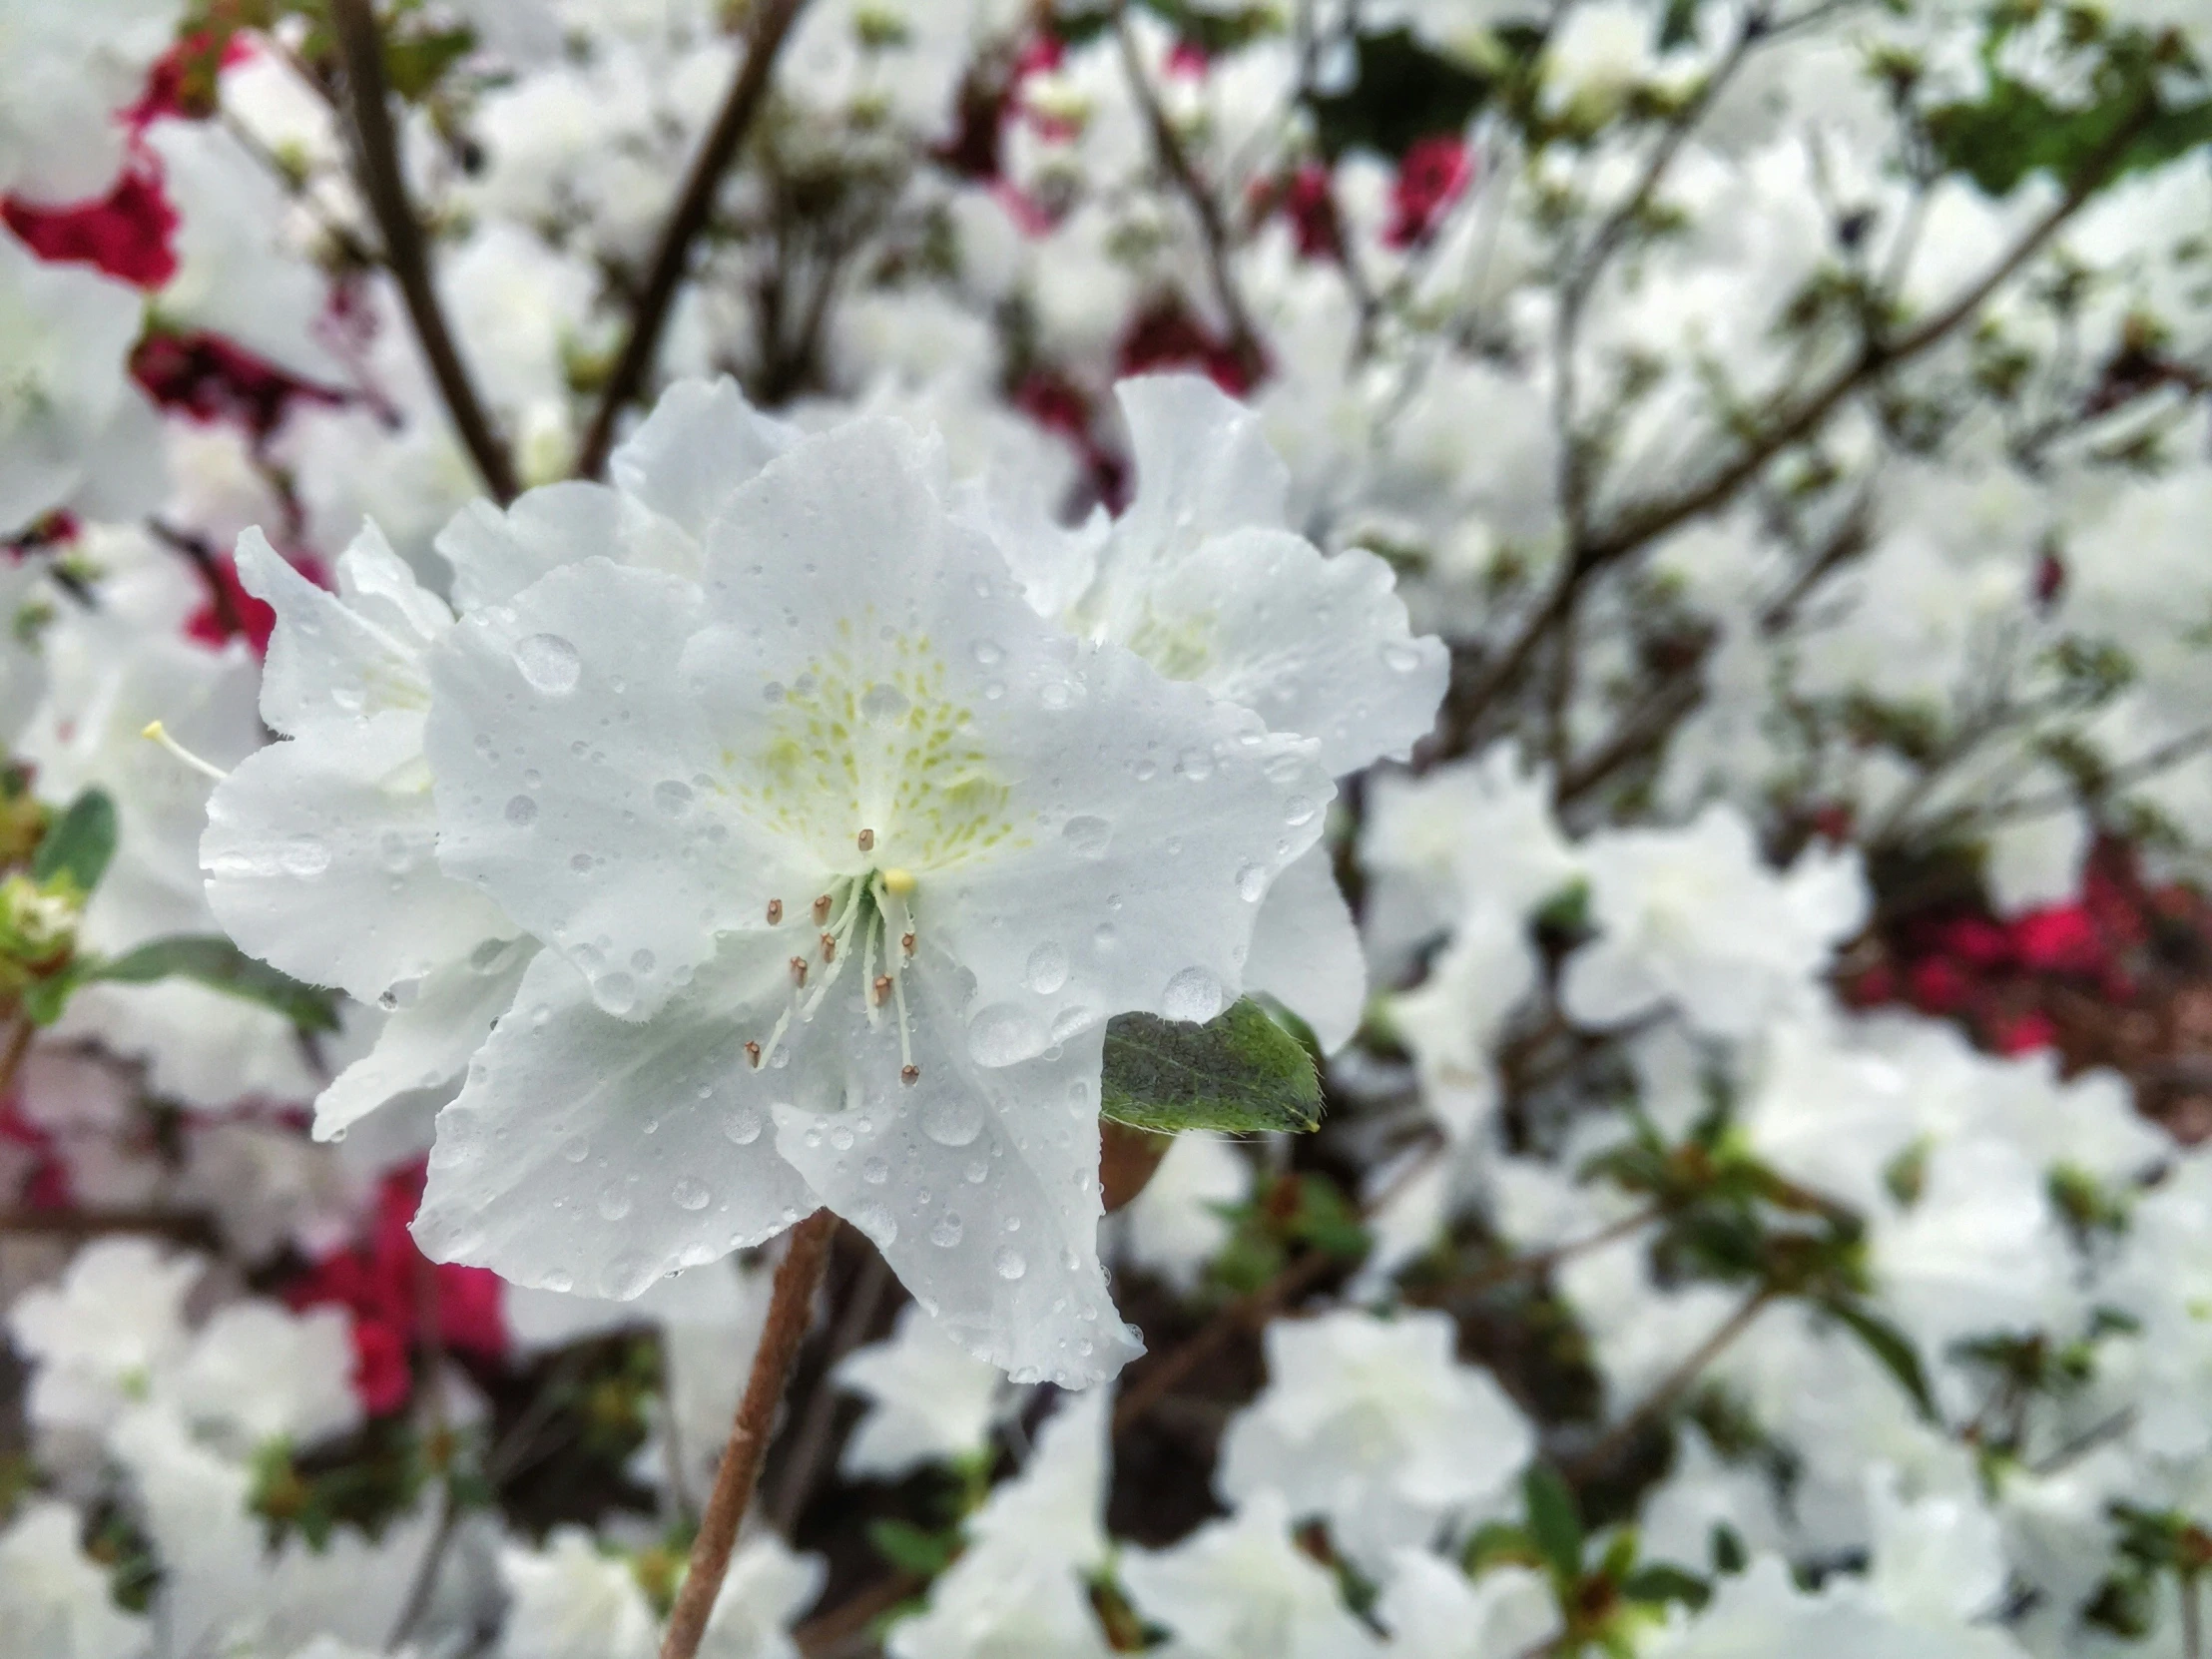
(1239, 1072)
(1999, 140)
(1658, 1582)
(79, 843)
(219, 965)
(1554, 1521)
(1890, 1346)
(908, 1546)
(416, 64)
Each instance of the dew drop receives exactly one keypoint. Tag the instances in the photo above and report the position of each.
(672, 797)
(1047, 969)
(743, 1126)
(1054, 694)
(1194, 994)
(1298, 809)
(643, 960)
(617, 994)
(1195, 764)
(987, 653)
(880, 704)
(1004, 1033)
(1401, 658)
(876, 1172)
(690, 1194)
(522, 812)
(951, 1119)
(1087, 836)
(1252, 883)
(549, 662)
(576, 1149)
(877, 1223)
(949, 1230)
(1009, 1262)
(561, 1282)
(614, 1201)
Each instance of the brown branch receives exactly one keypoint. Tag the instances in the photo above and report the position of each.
(1537, 1262)
(790, 1312)
(377, 168)
(810, 1439)
(1213, 230)
(184, 1226)
(1788, 423)
(1678, 1382)
(828, 1634)
(1247, 1313)
(771, 24)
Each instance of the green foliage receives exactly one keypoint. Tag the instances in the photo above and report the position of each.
(79, 843)
(219, 965)
(1891, 1346)
(1554, 1521)
(912, 1548)
(1238, 1073)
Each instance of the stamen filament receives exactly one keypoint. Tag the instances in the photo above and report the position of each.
(157, 733)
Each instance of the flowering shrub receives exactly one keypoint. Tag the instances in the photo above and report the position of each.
(986, 829)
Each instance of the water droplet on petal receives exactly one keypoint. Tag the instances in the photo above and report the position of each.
(987, 653)
(561, 1282)
(304, 855)
(549, 662)
(614, 1201)
(1194, 994)
(743, 1126)
(672, 797)
(1009, 1262)
(951, 1119)
(876, 1172)
(1298, 809)
(1195, 764)
(1252, 883)
(948, 1230)
(1004, 1033)
(617, 994)
(522, 812)
(1087, 836)
(882, 703)
(690, 1194)
(1047, 969)
(1401, 657)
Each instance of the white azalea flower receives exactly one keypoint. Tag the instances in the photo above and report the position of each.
(338, 820)
(1374, 1426)
(1175, 1226)
(258, 1372)
(929, 1400)
(1240, 1589)
(101, 1336)
(571, 1601)
(1694, 917)
(55, 1603)
(764, 1590)
(72, 69)
(1203, 579)
(1019, 1588)
(1432, 1610)
(74, 430)
(845, 859)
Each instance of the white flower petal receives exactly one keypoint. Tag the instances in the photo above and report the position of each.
(604, 851)
(587, 1151)
(701, 442)
(993, 1220)
(427, 1041)
(340, 825)
(1204, 465)
(495, 555)
(1306, 951)
(328, 660)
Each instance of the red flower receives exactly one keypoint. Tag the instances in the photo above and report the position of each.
(1167, 335)
(127, 235)
(390, 1285)
(2024, 1033)
(208, 379)
(1940, 986)
(2060, 939)
(1311, 206)
(1971, 939)
(1432, 175)
(233, 613)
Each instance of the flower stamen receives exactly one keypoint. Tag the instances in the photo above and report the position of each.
(158, 734)
(774, 912)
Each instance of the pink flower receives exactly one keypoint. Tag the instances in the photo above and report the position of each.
(1434, 175)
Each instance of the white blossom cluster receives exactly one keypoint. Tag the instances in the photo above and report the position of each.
(633, 621)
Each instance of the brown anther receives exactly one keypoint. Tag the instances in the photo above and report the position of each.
(906, 942)
(798, 970)
(867, 840)
(883, 989)
(753, 1053)
(909, 1075)
(829, 948)
(774, 912)
(822, 909)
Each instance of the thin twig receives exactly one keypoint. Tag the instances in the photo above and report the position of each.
(1537, 1262)
(1248, 1312)
(376, 163)
(1655, 1404)
(770, 26)
(1213, 230)
(827, 1634)
(1789, 423)
(187, 1227)
(790, 1312)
